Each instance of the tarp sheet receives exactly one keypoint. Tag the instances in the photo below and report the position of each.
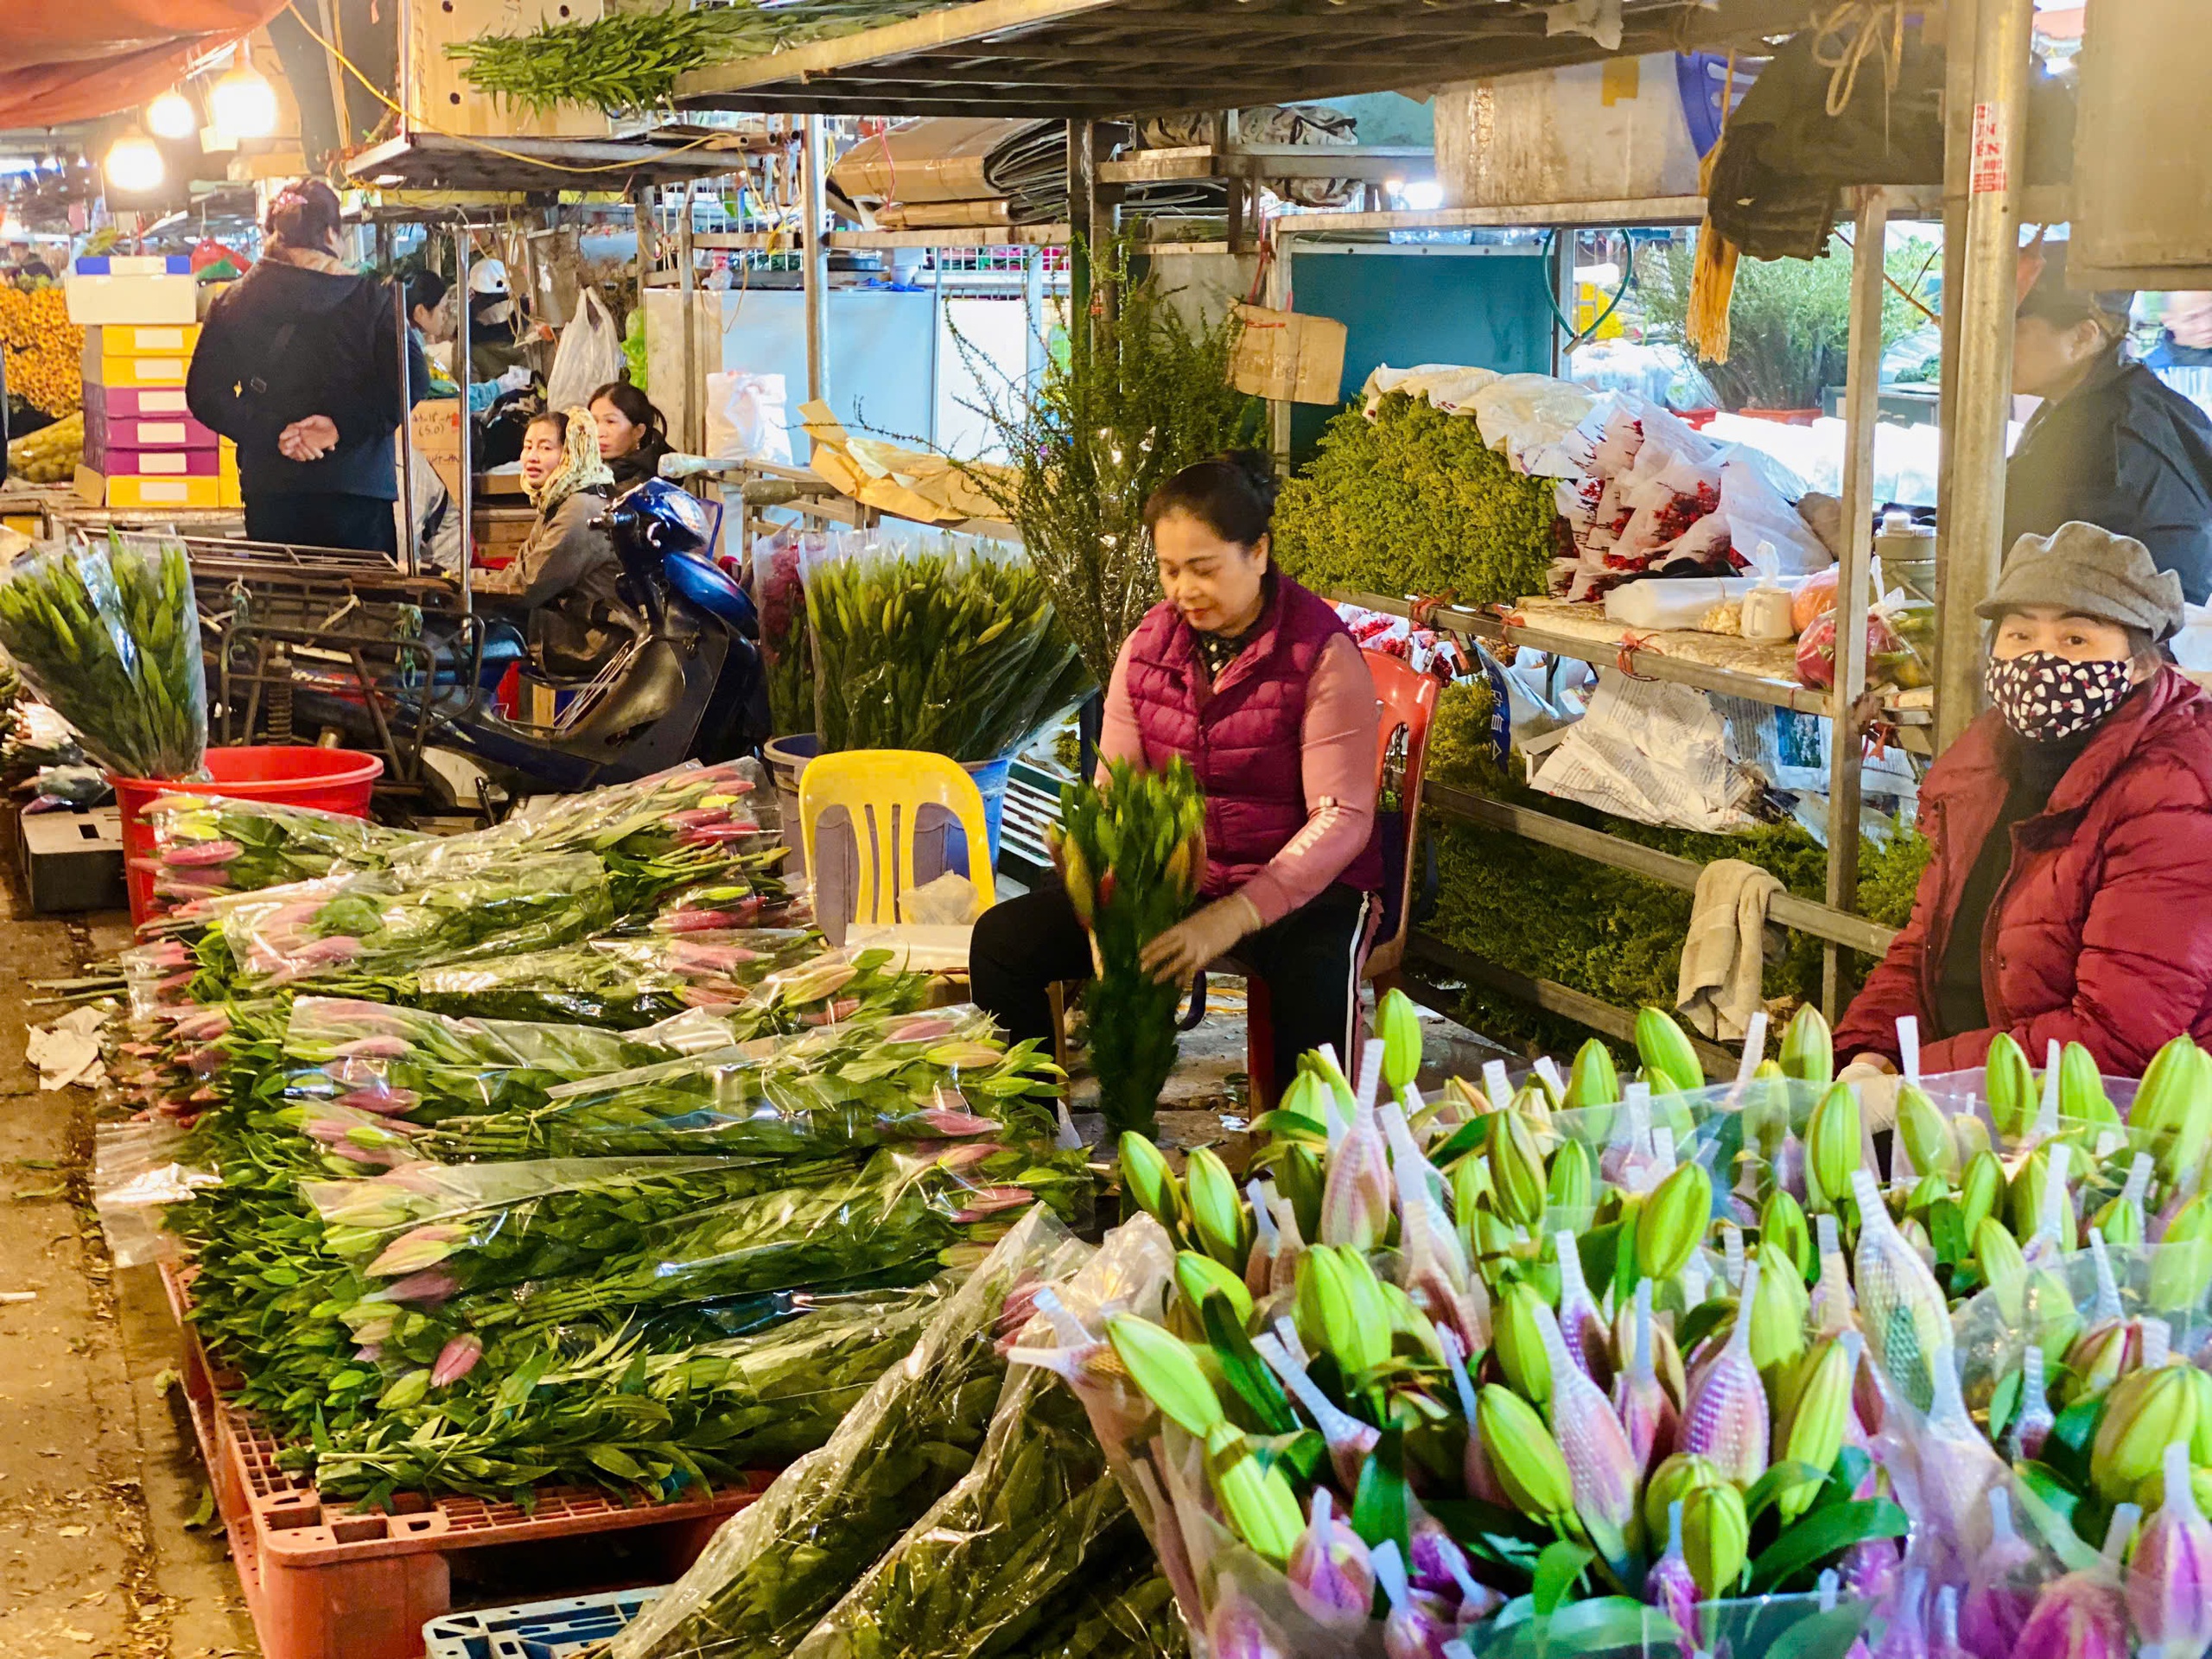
(78, 59)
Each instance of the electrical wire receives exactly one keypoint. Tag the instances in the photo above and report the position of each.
(413, 120)
(1628, 281)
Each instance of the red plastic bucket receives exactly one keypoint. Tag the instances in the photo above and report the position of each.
(330, 780)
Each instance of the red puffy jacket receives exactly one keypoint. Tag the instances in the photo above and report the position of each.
(2101, 934)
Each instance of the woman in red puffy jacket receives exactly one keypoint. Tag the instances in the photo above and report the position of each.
(2069, 893)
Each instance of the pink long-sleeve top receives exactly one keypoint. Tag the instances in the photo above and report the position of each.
(1336, 742)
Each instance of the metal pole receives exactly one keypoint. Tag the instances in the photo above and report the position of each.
(1032, 320)
(687, 282)
(1566, 295)
(461, 374)
(937, 334)
(814, 257)
(1862, 401)
(408, 526)
(1983, 403)
(1960, 24)
(1279, 296)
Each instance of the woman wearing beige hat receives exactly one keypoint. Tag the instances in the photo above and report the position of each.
(2069, 892)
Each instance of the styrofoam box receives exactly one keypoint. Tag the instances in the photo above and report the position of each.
(149, 298)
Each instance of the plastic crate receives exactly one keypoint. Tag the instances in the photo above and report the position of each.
(536, 1629)
(328, 1581)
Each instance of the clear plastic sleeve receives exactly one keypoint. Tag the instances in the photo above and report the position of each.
(109, 634)
(209, 844)
(777, 1566)
(138, 1171)
(624, 983)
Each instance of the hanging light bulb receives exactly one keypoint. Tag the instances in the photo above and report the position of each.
(134, 163)
(170, 116)
(243, 104)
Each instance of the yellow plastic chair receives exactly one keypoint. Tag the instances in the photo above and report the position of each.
(883, 791)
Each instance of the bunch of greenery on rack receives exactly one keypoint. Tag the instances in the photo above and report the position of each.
(1414, 502)
(1549, 914)
(628, 60)
(1115, 417)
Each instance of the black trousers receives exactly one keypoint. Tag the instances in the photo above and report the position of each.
(311, 519)
(1310, 961)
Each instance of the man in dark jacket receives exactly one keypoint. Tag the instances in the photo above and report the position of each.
(298, 365)
(2112, 445)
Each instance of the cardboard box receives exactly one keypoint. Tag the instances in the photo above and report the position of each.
(73, 860)
(156, 463)
(148, 339)
(437, 427)
(121, 490)
(94, 301)
(133, 264)
(105, 369)
(1289, 357)
(104, 431)
(127, 403)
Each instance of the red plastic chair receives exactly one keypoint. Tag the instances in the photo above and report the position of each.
(1407, 699)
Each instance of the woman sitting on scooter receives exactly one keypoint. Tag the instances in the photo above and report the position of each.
(564, 578)
(632, 432)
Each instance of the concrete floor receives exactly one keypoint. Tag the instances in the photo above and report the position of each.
(100, 1477)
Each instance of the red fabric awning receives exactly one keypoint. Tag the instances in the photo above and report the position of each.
(78, 59)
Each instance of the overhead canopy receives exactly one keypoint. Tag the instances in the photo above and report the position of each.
(1097, 59)
(63, 61)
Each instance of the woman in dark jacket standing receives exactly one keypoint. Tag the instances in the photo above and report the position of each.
(298, 365)
(2071, 827)
(632, 433)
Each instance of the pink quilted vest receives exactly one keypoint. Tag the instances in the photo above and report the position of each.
(1241, 732)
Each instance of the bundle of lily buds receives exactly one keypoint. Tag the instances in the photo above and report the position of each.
(1383, 1402)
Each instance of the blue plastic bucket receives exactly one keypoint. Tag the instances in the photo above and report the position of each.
(990, 783)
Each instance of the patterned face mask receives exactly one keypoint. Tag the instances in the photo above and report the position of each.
(2046, 698)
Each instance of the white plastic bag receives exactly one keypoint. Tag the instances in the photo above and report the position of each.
(588, 356)
(746, 417)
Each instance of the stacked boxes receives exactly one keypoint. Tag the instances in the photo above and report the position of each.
(143, 449)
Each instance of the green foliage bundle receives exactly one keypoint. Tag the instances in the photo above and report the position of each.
(1112, 420)
(1414, 502)
(629, 59)
(1789, 319)
(1612, 935)
(1132, 854)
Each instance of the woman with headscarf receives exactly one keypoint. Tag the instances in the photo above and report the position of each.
(563, 580)
(2070, 828)
(298, 364)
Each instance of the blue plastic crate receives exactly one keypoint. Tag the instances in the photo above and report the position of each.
(536, 1629)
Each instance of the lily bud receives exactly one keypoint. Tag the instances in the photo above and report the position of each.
(2009, 1086)
(1517, 1339)
(2170, 1579)
(1572, 1184)
(1517, 1171)
(1397, 1022)
(1664, 1047)
(1673, 1221)
(1725, 1418)
(1778, 1312)
(1981, 1185)
(1640, 1400)
(1716, 1537)
(2145, 1412)
(1329, 1574)
(1591, 1080)
(2000, 1593)
(1588, 1342)
(1807, 1048)
(2081, 1616)
(1419, 1624)
(2003, 1269)
(1148, 1181)
(1833, 1147)
(1669, 1586)
(1901, 1307)
(1256, 1500)
(1782, 1221)
(1356, 1202)
(1523, 1455)
(1601, 1464)
(1672, 1482)
(1812, 1433)
(1233, 1628)
(2031, 1423)
(1218, 1219)
(1832, 1300)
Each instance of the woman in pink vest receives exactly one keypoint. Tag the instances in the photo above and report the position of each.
(1256, 683)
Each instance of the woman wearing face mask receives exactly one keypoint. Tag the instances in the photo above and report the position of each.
(1256, 683)
(2110, 443)
(563, 578)
(2071, 825)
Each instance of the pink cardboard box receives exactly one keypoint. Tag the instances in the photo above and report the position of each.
(104, 431)
(156, 463)
(138, 402)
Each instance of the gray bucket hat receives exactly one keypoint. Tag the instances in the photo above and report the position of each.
(2091, 572)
